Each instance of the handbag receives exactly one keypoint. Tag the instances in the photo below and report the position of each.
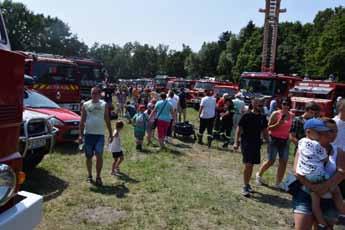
(154, 125)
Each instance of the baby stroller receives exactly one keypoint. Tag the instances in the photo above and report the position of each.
(184, 129)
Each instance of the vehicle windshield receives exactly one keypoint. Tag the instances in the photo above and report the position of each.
(204, 85)
(180, 84)
(221, 91)
(161, 82)
(262, 86)
(54, 73)
(90, 72)
(35, 100)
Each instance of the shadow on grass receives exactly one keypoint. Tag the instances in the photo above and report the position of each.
(181, 145)
(66, 148)
(40, 181)
(124, 177)
(273, 200)
(188, 140)
(119, 190)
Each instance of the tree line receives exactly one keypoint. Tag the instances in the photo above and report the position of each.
(315, 49)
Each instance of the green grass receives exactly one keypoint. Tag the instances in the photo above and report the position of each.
(185, 187)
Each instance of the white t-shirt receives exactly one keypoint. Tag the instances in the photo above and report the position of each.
(94, 117)
(209, 107)
(311, 158)
(340, 140)
(115, 146)
(173, 102)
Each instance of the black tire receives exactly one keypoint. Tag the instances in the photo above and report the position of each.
(31, 160)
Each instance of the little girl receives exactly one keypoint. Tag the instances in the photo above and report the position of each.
(150, 126)
(116, 149)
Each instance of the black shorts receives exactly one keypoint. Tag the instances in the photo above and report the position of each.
(117, 154)
(251, 152)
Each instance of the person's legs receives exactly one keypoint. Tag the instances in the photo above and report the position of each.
(99, 165)
(315, 201)
(184, 113)
(271, 157)
(303, 221)
(283, 160)
(89, 166)
(89, 148)
(209, 131)
(202, 128)
(281, 170)
(118, 162)
(247, 173)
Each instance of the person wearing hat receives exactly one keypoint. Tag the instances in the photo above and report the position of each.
(311, 167)
(279, 126)
(140, 121)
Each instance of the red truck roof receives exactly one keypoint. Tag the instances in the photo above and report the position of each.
(269, 75)
(29, 56)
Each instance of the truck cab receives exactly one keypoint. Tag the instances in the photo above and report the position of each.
(323, 92)
(18, 209)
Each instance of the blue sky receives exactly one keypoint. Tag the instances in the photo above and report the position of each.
(171, 22)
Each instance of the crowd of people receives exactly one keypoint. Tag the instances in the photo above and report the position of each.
(319, 163)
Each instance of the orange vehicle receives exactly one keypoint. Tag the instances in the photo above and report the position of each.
(18, 209)
(324, 93)
(55, 77)
(266, 84)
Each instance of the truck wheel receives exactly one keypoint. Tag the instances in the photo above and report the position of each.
(31, 161)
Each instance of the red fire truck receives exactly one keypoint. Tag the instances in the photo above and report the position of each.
(324, 93)
(266, 84)
(161, 83)
(55, 77)
(18, 210)
(92, 73)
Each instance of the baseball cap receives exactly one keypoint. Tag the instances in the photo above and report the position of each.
(316, 124)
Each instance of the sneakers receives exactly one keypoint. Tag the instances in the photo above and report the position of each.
(246, 190)
(99, 181)
(258, 179)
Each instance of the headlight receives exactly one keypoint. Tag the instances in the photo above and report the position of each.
(55, 122)
(7, 183)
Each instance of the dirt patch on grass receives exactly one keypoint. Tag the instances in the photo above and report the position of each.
(101, 215)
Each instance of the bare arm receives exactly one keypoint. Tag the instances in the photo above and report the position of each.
(82, 123)
(339, 176)
(200, 110)
(273, 122)
(107, 122)
(293, 138)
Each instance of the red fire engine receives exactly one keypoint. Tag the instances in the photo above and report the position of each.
(92, 73)
(18, 210)
(55, 77)
(161, 82)
(324, 93)
(267, 82)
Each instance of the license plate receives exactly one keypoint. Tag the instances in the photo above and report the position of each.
(34, 144)
(74, 131)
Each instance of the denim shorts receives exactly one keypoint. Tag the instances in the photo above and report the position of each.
(301, 203)
(139, 135)
(277, 146)
(93, 144)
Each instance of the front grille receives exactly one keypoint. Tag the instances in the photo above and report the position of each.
(37, 128)
(9, 114)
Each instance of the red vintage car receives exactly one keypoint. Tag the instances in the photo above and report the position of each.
(65, 120)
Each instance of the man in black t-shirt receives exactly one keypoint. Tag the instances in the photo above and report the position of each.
(250, 128)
